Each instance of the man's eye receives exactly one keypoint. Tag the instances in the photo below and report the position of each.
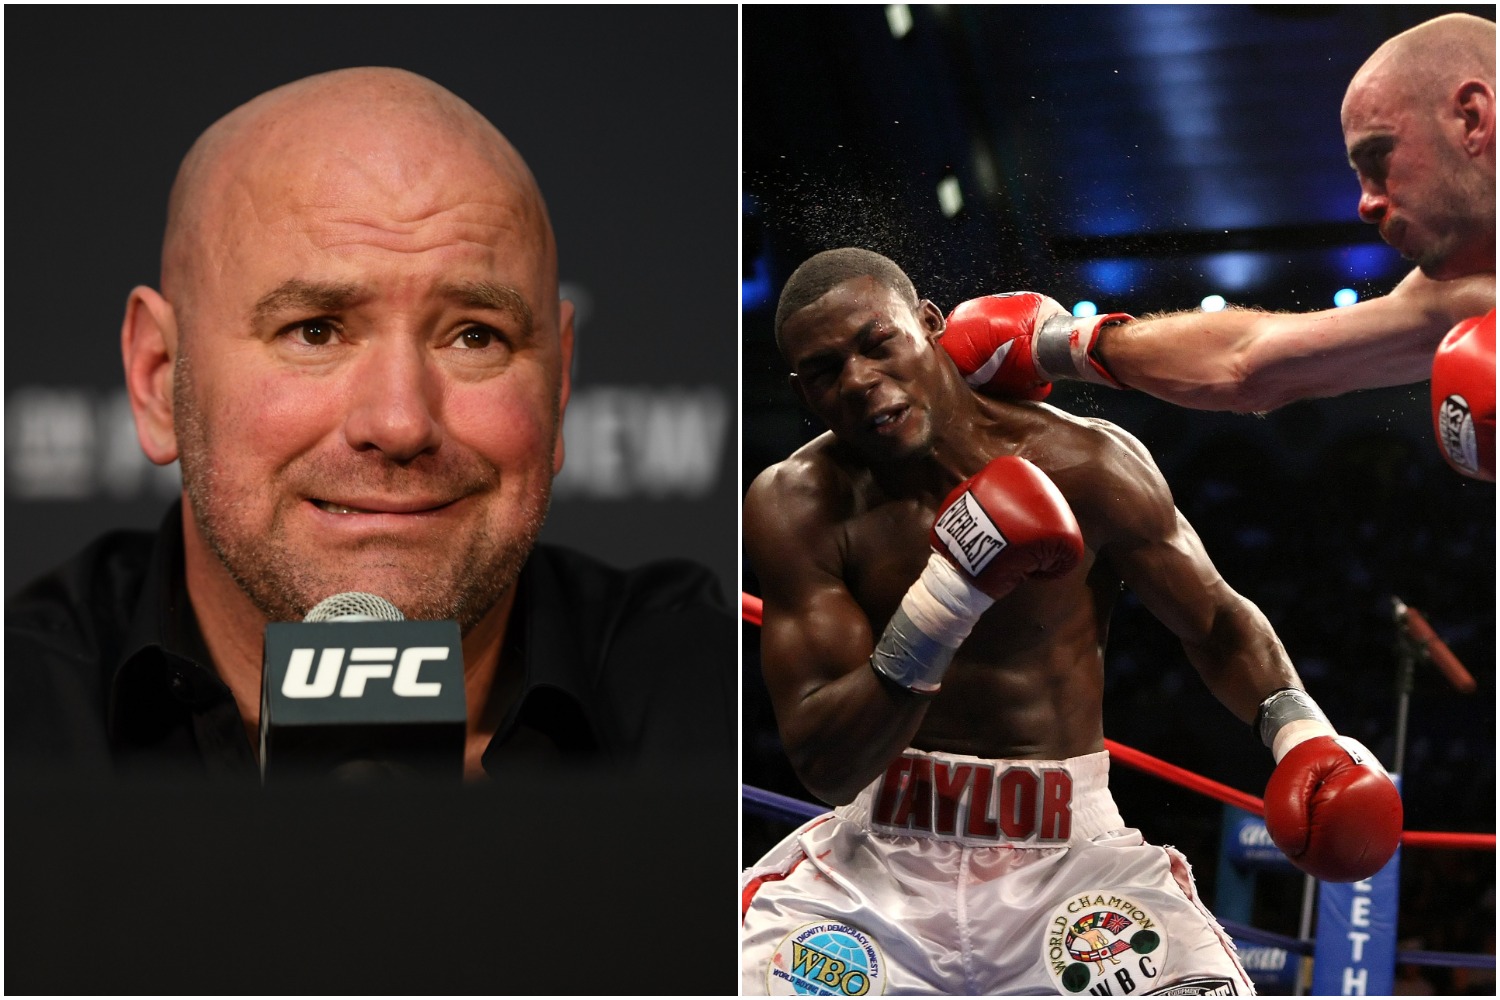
(313, 332)
(478, 337)
(818, 376)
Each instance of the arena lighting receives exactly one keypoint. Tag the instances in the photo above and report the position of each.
(950, 198)
(755, 291)
(898, 16)
(1113, 276)
(1212, 304)
(1345, 297)
(1237, 270)
(1085, 308)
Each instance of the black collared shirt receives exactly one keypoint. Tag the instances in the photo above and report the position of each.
(107, 673)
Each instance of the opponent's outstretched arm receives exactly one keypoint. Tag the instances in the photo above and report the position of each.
(1250, 361)
(1238, 359)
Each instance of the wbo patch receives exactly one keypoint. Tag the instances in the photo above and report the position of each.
(1103, 942)
(829, 959)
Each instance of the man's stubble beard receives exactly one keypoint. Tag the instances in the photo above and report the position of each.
(284, 585)
(1461, 216)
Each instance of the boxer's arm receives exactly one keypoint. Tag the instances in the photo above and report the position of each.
(1329, 805)
(1250, 361)
(840, 722)
(1159, 556)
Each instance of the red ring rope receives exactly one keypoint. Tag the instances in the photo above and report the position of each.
(751, 611)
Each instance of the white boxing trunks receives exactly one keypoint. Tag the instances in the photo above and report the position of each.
(956, 875)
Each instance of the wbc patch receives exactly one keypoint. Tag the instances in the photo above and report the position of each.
(1202, 986)
(1102, 942)
(1456, 434)
(828, 959)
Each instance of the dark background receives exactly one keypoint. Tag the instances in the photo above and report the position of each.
(1144, 157)
(627, 119)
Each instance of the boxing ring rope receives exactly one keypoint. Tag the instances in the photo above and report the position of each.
(1131, 757)
(772, 805)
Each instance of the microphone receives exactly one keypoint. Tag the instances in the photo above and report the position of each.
(1442, 657)
(356, 692)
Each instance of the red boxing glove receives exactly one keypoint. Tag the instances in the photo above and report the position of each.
(989, 339)
(1463, 397)
(1005, 524)
(1333, 810)
(1016, 344)
(997, 528)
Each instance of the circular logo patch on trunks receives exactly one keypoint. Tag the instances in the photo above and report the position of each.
(826, 960)
(1107, 937)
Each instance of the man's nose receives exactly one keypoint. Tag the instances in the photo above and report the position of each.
(394, 401)
(859, 376)
(1373, 204)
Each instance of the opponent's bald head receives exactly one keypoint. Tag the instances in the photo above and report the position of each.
(312, 141)
(1423, 64)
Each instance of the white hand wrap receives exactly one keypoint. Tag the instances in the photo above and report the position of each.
(935, 617)
(1289, 717)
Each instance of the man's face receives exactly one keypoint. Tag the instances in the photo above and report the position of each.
(864, 364)
(369, 387)
(1415, 183)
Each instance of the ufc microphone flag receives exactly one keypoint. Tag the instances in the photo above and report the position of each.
(339, 692)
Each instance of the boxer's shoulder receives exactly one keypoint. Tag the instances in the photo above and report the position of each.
(1079, 447)
(1106, 474)
(821, 474)
(1446, 301)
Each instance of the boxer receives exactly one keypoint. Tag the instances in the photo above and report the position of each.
(1419, 126)
(938, 572)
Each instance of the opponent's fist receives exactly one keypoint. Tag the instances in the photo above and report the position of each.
(1463, 397)
(1005, 524)
(989, 339)
(1333, 810)
(1016, 344)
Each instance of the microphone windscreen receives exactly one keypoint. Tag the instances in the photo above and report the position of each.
(354, 606)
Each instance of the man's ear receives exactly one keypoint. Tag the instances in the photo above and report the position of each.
(565, 342)
(1475, 103)
(148, 341)
(931, 318)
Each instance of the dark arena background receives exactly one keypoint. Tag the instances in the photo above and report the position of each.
(1145, 158)
(627, 118)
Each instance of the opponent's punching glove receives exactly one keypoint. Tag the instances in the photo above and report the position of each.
(1017, 344)
(1463, 397)
(998, 528)
(1330, 806)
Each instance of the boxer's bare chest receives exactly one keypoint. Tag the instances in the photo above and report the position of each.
(999, 698)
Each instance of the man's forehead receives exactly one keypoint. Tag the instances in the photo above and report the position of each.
(846, 310)
(863, 296)
(377, 153)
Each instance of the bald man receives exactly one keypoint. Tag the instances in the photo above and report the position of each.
(1419, 126)
(359, 356)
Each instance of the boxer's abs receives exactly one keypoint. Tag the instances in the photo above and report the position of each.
(1047, 709)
